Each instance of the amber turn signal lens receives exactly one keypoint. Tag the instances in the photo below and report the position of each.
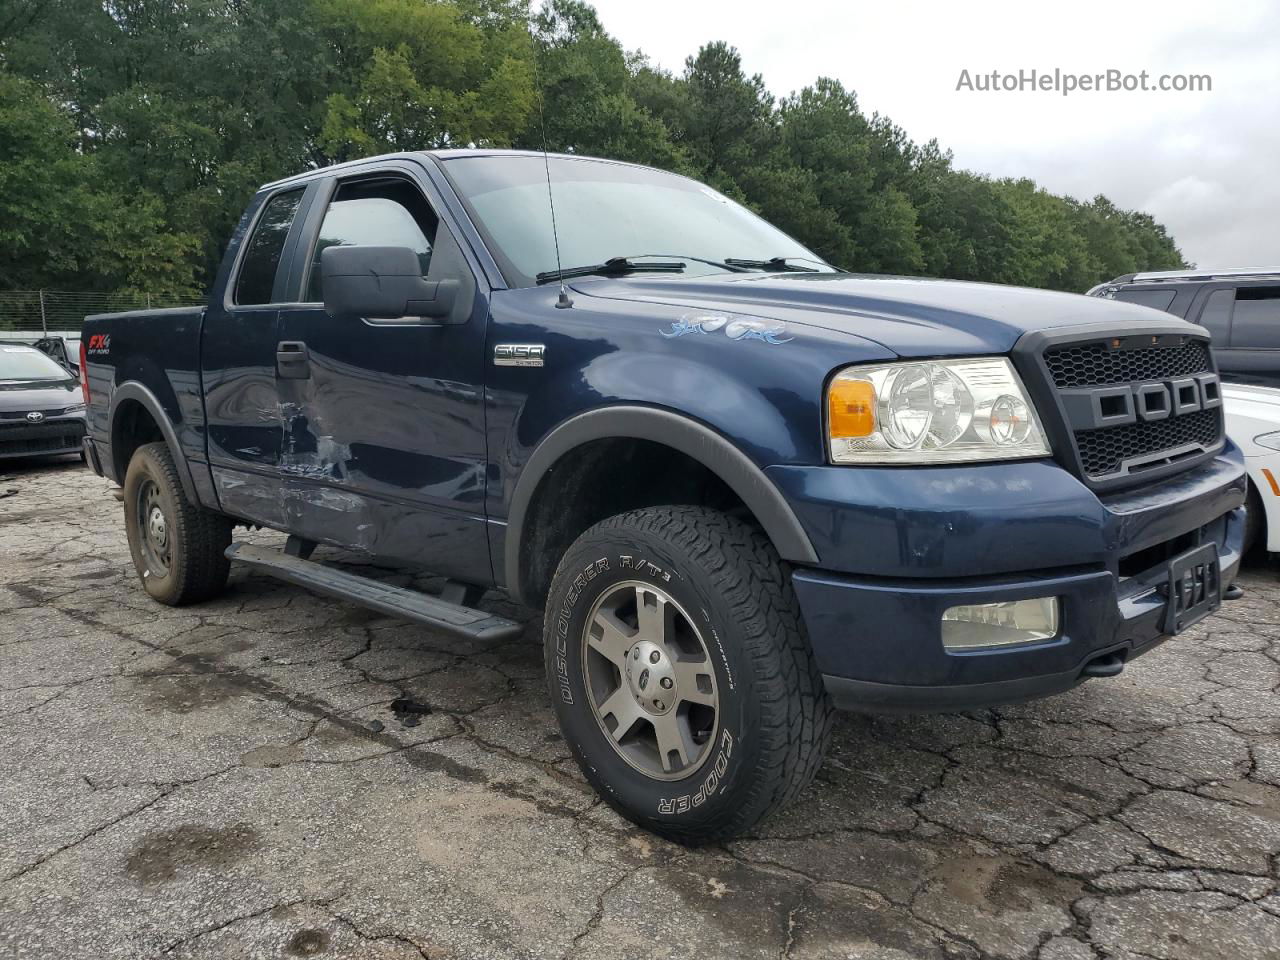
(852, 408)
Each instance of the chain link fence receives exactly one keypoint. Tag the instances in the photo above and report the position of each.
(45, 311)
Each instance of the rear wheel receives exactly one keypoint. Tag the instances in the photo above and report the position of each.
(681, 674)
(177, 546)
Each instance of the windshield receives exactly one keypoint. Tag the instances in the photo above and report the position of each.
(606, 210)
(28, 363)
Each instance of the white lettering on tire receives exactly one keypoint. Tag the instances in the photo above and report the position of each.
(709, 786)
(589, 573)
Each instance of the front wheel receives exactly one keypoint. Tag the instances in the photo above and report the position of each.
(177, 546)
(681, 674)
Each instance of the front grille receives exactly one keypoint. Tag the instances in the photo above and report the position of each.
(1094, 365)
(1111, 453)
(18, 439)
(22, 414)
(1104, 452)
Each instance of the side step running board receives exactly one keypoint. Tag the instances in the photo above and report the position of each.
(393, 601)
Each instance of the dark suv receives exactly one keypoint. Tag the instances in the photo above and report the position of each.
(1239, 307)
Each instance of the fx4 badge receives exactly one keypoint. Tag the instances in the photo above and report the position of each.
(99, 343)
(518, 354)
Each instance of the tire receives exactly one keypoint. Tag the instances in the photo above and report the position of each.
(182, 561)
(734, 635)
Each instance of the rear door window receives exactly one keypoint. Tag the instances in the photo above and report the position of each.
(1256, 322)
(262, 254)
(1216, 316)
(1157, 299)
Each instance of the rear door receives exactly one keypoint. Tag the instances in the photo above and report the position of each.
(238, 362)
(1244, 320)
(383, 443)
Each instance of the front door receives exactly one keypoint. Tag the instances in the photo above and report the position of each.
(383, 420)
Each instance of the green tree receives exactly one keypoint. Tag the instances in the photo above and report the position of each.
(731, 122)
(421, 75)
(585, 81)
(136, 130)
(62, 225)
(824, 131)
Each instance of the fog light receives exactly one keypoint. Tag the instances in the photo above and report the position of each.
(981, 625)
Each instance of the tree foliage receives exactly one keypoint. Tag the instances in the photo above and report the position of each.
(132, 132)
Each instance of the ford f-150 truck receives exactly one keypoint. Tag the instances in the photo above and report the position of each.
(746, 487)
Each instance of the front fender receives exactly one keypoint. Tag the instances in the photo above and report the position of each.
(695, 440)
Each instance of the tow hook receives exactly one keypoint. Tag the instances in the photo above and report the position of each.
(1233, 592)
(1108, 665)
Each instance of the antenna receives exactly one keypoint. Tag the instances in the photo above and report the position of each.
(563, 302)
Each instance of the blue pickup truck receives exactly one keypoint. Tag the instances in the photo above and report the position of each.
(747, 488)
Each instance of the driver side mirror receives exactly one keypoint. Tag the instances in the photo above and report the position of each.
(382, 283)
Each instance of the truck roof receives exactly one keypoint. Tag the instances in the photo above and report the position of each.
(1193, 274)
(449, 154)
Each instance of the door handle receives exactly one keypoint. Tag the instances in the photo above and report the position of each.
(293, 362)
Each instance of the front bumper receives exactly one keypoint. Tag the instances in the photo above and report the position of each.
(878, 640)
(49, 438)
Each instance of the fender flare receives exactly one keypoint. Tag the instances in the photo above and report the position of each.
(691, 438)
(133, 390)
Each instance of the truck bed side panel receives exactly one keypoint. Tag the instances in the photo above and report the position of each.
(155, 353)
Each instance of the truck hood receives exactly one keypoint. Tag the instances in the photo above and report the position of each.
(25, 395)
(910, 316)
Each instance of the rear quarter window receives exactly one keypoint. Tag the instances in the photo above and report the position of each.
(262, 253)
(1256, 322)
(1156, 299)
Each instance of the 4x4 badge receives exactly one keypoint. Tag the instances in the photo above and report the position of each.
(518, 354)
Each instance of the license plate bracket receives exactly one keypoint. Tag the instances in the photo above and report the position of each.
(1194, 588)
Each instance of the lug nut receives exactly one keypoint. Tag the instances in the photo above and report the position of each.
(636, 655)
(659, 705)
(666, 683)
(655, 657)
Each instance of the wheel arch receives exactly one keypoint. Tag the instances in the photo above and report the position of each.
(126, 400)
(688, 437)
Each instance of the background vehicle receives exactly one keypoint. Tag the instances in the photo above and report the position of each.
(1239, 307)
(42, 410)
(1253, 423)
(745, 487)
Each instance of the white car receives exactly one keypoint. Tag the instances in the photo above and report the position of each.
(1253, 423)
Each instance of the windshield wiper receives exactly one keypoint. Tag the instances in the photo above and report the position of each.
(778, 264)
(613, 267)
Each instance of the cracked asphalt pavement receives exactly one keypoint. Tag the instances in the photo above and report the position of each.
(242, 779)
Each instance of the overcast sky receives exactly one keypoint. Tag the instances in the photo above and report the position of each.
(1206, 165)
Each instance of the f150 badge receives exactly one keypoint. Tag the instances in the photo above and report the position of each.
(518, 354)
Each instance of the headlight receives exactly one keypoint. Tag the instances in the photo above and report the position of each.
(935, 411)
(1269, 440)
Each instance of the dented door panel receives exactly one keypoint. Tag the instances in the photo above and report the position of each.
(383, 440)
